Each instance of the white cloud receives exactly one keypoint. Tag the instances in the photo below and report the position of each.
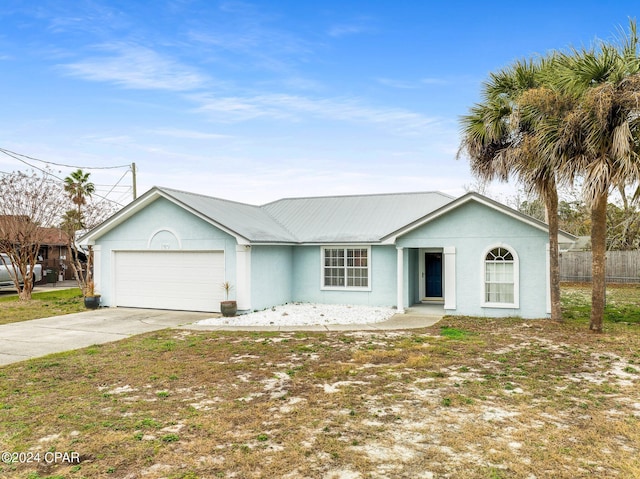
(188, 134)
(295, 108)
(236, 109)
(250, 36)
(269, 183)
(400, 84)
(343, 30)
(96, 18)
(137, 67)
(355, 27)
(112, 140)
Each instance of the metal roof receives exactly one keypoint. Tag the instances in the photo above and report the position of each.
(329, 219)
(349, 219)
(377, 218)
(249, 221)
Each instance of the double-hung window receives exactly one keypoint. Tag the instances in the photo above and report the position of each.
(346, 267)
(500, 278)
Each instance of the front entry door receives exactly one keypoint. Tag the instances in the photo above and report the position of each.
(433, 273)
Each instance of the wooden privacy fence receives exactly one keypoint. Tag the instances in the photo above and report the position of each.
(622, 266)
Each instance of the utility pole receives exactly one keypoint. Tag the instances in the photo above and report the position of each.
(135, 187)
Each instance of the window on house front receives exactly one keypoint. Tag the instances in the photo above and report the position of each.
(500, 274)
(345, 268)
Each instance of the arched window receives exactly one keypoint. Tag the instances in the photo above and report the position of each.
(501, 278)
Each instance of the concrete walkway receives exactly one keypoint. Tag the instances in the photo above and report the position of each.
(418, 316)
(39, 337)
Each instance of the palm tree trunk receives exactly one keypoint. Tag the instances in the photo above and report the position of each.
(598, 263)
(551, 203)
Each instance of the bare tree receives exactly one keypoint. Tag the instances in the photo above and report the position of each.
(623, 220)
(85, 216)
(30, 202)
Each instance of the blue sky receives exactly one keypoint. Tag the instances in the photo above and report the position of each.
(254, 101)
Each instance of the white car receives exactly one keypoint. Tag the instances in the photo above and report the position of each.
(5, 276)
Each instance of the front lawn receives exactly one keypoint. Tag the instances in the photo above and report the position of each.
(48, 303)
(622, 302)
(468, 397)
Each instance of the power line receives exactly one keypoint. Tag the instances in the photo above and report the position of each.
(131, 168)
(117, 182)
(13, 154)
(126, 194)
(97, 185)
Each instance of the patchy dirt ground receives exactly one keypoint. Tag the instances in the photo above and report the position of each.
(472, 398)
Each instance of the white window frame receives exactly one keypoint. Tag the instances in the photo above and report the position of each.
(516, 278)
(324, 248)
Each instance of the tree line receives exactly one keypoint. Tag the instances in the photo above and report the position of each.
(574, 216)
(559, 120)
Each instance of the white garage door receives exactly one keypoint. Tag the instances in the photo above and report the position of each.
(181, 280)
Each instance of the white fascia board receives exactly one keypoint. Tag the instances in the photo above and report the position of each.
(392, 238)
(339, 243)
(510, 212)
(239, 238)
(141, 203)
(275, 243)
(121, 216)
(521, 216)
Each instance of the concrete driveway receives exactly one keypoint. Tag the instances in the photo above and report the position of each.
(39, 337)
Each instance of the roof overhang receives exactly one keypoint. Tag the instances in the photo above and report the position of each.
(141, 203)
(475, 197)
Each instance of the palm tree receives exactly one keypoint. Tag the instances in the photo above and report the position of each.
(604, 135)
(79, 188)
(507, 135)
(601, 137)
(580, 117)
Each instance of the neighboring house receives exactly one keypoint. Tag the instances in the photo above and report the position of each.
(171, 249)
(54, 251)
(582, 243)
(53, 242)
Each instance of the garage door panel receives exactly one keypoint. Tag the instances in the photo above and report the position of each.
(180, 280)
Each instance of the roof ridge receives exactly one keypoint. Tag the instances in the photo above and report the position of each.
(361, 195)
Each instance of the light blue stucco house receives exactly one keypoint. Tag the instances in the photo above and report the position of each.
(171, 249)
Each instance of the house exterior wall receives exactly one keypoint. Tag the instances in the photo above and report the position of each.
(271, 276)
(471, 229)
(277, 274)
(307, 278)
(159, 226)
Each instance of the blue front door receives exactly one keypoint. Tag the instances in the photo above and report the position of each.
(433, 273)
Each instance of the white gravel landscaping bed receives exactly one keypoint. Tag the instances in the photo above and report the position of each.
(306, 314)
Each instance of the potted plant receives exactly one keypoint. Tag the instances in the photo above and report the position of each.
(91, 299)
(228, 308)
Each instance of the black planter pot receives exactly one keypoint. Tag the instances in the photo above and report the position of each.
(228, 308)
(92, 302)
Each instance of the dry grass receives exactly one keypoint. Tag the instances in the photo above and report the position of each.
(469, 397)
(43, 304)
